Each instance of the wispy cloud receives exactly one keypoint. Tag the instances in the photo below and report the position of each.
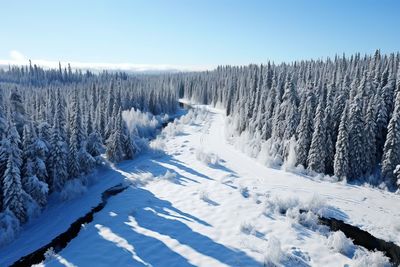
(18, 59)
(17, 56)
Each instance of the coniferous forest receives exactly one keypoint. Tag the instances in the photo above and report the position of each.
(339, 117)
(55, 124)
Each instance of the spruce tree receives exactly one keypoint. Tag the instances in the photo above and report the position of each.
(114, 146)
(356, 140)
(13, 192)
(317, 154)
(58, 174)
(341, 161)
(391, 151)
(305, 129)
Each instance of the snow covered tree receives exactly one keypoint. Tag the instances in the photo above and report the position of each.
(289, 109)
(356, 140)
(94, 146)
(316, 155)
(114, 146)
(12, 187)
(370, 136)
(305, 128)
(76, 137)
(391, 151)
(58, 155)
(34, 168)
(341, 162)
(17, 110)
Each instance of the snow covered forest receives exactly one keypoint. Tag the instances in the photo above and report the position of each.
(337, 116)
(55, 124)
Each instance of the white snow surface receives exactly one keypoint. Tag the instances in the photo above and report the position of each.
(201, 202)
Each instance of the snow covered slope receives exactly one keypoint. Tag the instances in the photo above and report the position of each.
(203, 203)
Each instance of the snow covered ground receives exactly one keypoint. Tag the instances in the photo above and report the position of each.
(203, 203)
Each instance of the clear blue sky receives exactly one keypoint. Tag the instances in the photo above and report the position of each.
(202, 32)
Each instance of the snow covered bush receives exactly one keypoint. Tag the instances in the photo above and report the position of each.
(194, 116)
(173, 129)
(72, 189)
(291, 159)
(277, 204)
(316, 204)
(157, 146)
(310, 220)
(244, 191)
(371, 259)
(140, 124)
(169, 176)
(273, 253)
(340, 243)
(49, 254)
(207, 158)
(247, 228)
(204, 196)
(32, 208)
(9, 227)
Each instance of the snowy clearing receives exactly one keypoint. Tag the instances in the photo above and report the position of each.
(203, 203)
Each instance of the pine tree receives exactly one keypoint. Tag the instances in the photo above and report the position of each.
(94, 146)
(17, 110)
(12, 187)
(76, 138)
(34, 168)
(370, 137)
(305, 129)
(289, 109)
(58, 174)
(330, 146)
(114, 146)
(316, 157)
(356, 140)
(3, 147)
(391, 151)
(341, 162)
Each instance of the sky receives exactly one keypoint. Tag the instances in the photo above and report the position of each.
(189, 34)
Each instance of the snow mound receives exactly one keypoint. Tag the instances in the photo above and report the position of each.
(207, 157)
(73, 189)
(340, 243)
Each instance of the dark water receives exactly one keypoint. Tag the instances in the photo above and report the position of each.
(61, 241)
(362, 238)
